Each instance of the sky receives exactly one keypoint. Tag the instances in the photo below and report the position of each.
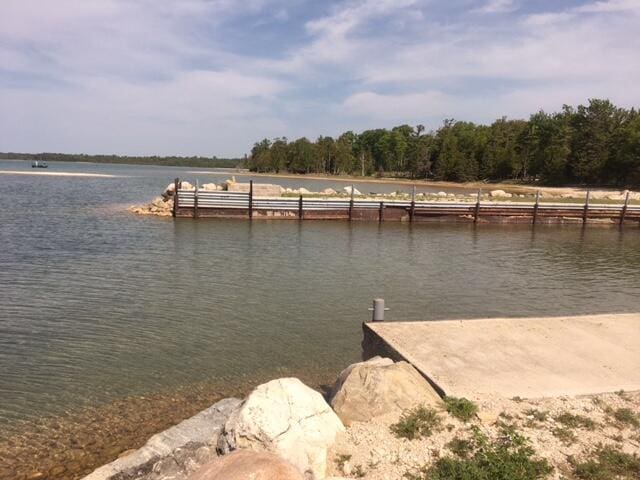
(211, 77)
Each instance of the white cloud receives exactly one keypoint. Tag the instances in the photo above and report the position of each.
(156, 76)
(496, 6)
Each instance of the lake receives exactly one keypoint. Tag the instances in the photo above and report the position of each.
(97, 304)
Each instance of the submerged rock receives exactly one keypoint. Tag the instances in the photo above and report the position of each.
(285, 417)
(247, 464)
(379, 386)
(174, 453)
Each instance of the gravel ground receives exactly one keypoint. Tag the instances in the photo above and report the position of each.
(369, 450)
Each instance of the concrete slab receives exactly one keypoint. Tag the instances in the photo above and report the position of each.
(526, 357)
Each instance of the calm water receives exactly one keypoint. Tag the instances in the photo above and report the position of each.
(96, 303)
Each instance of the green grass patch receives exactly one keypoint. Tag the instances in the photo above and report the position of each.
(608, 463)
(626, 416)
(510, 457)
(417, 423)
(461, 447)
(461, 408)
(576, 421)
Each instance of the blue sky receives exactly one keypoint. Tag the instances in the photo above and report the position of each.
(210, 77)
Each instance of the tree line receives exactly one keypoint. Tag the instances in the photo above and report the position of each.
(596, 144)
(171, 161)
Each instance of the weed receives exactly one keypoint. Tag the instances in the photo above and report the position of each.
(506, 416)
(341, 459)
(538, 415)
(517, 399)
(508, 458)
(608, 463)
(416, 423)
(565, 435)
(576, 421)
(626, 416)
(460, 447)
(461, 408)
(622, 394)
(358, 471)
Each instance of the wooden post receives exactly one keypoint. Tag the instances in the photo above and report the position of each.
(175, 196)
(250, 198)
(624, 208)
(413, 204)
(477, 212)
(381, 212)
(586, 207)
(351, 204)
(300, 209)
(195, 201)
(535, 207)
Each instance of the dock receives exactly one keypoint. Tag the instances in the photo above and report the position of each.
(516, 357)
(195, 203)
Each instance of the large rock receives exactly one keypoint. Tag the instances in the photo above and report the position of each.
(209, 187)
(174, 453)
(378, 386)
(499, 193)
(259, 189)
(348, 190)
(285, 417)
(184, 185)
(329, 191)
(247, 465)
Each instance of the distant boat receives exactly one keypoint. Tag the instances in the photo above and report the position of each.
(38, 164)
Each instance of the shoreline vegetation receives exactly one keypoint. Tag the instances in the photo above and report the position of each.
(577, 148)
(596, 145)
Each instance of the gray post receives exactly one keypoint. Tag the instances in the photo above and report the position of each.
(585, 213)
(536, 206)
(378, 310)
(624, 208)
(175, 197)
(351, 203)
(195, 200)
(477, 211)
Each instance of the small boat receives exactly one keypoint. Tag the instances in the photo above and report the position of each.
(38, 164)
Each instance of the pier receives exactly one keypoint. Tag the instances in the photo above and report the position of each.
(223, 204)
(516, 357)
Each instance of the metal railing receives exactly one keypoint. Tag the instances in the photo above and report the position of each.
(204, 199)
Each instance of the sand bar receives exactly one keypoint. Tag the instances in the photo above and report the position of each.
(58, 174)
(525, 357)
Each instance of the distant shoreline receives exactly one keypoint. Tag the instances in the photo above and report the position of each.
(58, 174)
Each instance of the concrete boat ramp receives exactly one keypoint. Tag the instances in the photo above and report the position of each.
(509, 357)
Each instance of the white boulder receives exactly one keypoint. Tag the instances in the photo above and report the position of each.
(499, 193)
(303, 191)
(287, 418)
(184, 185)
(329, 191)
(209, 187)
(348, 190)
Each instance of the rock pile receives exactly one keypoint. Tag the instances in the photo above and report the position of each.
(161, 207)
(282, 430)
